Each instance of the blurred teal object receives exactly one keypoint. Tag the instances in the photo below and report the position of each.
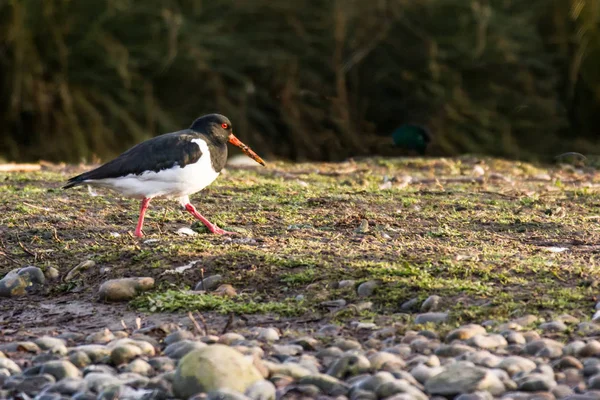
(411, 137)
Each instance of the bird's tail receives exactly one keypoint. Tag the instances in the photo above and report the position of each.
(74, 181)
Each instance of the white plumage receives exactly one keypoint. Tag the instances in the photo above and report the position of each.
(175, 182)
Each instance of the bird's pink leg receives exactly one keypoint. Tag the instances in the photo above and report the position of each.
(138, 229)
(211, 227)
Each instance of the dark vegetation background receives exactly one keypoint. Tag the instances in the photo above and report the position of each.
(302, 79)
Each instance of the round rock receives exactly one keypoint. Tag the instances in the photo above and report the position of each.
(214, 367)
(124, 289)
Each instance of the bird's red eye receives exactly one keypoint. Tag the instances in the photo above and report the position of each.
(224, 126)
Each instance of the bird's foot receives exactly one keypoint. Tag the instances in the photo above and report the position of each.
(138, 233)
(218, 231)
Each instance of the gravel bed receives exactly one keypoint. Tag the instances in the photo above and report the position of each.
(521, 359)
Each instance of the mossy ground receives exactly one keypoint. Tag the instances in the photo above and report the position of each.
(487, 245)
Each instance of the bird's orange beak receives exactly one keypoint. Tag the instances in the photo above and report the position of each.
(236, 142)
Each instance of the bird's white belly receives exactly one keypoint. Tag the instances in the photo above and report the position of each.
(171, 183)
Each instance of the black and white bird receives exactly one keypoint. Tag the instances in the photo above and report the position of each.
(173, 165)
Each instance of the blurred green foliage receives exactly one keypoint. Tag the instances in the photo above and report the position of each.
(305, 79)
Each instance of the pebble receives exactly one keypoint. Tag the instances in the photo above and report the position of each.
(60, 369)
(214, 367)
(516, 364)
(327, 384)
(491, 341)
(554, 326)
(462, 378)
(179, 349)
(178, 336)
(17, 281)
(432, 303)
(209, 283)
(124, 289)
(51, 274)
(367, 289)
(261, 390)
(536, 382)
(268, 334)
(434, 317)
(465, 332)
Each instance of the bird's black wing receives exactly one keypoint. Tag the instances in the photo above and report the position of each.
(156, 154)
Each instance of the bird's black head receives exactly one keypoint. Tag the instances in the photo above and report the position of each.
(215, 127)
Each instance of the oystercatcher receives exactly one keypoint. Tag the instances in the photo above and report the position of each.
(172, 165)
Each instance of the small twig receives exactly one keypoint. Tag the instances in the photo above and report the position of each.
(37, 207)
(124, 324)
(56, 235)
(204, 324)
(2, 253)
(25, 249)
(202, 278)
(228, 324)
(196, 325)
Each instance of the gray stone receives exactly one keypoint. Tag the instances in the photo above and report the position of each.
(349, 365)
(483, 358)
(327, 384)
(465, 332)
(287, 349)
(97, 381)
(526, 320)
(162, 364)
(568, 362)
(230, 338)
(178, 336)
(544, 348)
(594, 382)
(13, 285)
(410, 305)
(453, 350)
(29, 384)
(461, 378)
(291, 369)
(209, 283)
(52, 273)
(366, 289)
(124, 289)
(308, 343)
(348, 283)
(179, 349)
(399, 386)
(261, 390)
(516, 364)
(432, 303)
(513, 337)
(384, 361)
(68, 386)
(80, 359)
(491, 341)
(371, 383)
(60, 369)
(10, 366)
(422, 373)
(268, 335)
(434, 317)
(214, 367)
(101, 337)
(50, 343)
(536, 382)
(124, 353)
(591, 349)
(139, 366)
(553, 326)
(475, 396)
